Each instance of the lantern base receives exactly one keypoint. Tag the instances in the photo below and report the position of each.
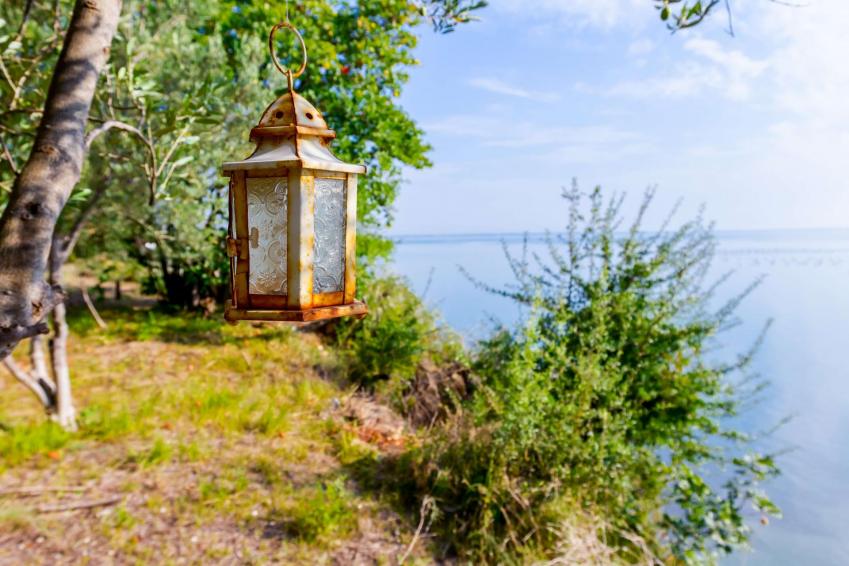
(356, 309)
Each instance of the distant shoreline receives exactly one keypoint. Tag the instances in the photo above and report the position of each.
(793, 234)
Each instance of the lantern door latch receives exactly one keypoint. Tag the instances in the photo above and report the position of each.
(237, 247)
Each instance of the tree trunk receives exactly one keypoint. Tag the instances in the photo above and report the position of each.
(53, 168)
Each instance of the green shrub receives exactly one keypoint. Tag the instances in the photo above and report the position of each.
(389, 343)
(605, 398)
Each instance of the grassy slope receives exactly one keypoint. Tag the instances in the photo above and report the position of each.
(222, 442)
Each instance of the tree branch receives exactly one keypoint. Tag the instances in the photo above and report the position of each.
(41, 389)
(151, 150)
(92, 309)
(8, 155)
(24, 18)
(117, 125)
(63, 245)
(80, 505)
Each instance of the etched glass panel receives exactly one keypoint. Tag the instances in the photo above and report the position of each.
(267, 207)
(329, 271)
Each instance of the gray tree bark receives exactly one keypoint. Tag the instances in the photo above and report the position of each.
(46, 180)
(55, 393)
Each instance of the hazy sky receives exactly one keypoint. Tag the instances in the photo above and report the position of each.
(756, 126)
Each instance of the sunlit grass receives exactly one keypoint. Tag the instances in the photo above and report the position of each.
(20, 442)
(239, 417)
(320, 512)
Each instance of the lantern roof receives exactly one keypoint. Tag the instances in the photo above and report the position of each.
(291, 132)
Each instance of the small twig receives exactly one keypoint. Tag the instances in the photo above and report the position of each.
(90, 304)
(38, 490)
(8, 77)
(8, 155)
(730, 18)
(118, 125)
(79, 505)
(24, 18)
(424, 512)
(246, 358)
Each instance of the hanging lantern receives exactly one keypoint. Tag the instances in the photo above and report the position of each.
(293, 217)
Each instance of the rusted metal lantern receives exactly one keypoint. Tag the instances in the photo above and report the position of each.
(293, 217)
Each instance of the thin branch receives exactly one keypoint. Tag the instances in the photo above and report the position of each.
(730, 18)
(5, 72)
(80, 505)
(46, 398)
(39, 363)
(17, 132)
(91, 308)
(8, 155)
(20, 111)
(70, 240)
(158, 170)
(24, 18)
(113, 124)
(424, 512)
(38, 490)
(153, 173)
(51, 297)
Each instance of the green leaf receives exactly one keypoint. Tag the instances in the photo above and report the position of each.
(182, 161)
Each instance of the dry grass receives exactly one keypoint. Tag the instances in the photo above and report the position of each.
(222, 444)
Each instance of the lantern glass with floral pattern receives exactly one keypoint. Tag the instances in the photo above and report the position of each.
(293, 216)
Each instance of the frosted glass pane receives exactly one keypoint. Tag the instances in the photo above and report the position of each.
(329, 272)
(267, 205)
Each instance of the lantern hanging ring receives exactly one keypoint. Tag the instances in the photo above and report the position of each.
(290, 75)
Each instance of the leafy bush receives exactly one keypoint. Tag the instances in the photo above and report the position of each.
(390, 342)
(604, 399)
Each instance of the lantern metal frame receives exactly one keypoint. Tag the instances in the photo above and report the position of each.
(293, 144)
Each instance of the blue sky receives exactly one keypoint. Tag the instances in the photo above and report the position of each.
(755, 127)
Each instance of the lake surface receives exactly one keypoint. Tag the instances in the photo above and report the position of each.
(804, 357)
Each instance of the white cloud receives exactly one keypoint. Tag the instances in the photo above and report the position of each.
(640, 47)
(596, 13)
(500, 87)
(809, 67)
(593, 143)
(710, 67)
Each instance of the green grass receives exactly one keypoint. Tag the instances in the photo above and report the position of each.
(121, 519)
(15, 517)
(158, 453)
(321, 512)
(21, 442)
(201, 424)
(151, 370)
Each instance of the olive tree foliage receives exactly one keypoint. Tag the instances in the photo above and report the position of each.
(684, 14)
(128, 140)
(359, 59)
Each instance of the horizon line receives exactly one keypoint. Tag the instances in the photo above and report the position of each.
(495, 235)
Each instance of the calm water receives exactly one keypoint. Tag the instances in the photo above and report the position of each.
(804, 358)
